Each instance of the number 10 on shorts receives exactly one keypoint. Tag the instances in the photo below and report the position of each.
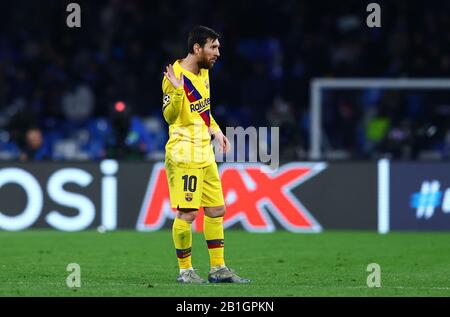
(190, 183)
(189, 188)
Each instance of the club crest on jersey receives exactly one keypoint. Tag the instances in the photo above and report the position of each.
(206, 84)
(188, 197)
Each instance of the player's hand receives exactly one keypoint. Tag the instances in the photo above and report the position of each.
(224, 144)
(170, 75)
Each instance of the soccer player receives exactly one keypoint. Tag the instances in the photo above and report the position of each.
(191, 168)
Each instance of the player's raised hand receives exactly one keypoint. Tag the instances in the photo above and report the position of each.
(170, 75)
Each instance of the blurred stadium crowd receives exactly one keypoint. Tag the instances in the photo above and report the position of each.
(95, 92)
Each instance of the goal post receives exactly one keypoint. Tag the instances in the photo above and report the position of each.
(318, 85)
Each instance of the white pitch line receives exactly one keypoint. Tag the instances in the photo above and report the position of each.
(444, 288)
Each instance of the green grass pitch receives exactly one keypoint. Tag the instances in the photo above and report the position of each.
(129, 263)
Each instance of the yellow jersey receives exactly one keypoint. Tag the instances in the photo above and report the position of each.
(187, 110)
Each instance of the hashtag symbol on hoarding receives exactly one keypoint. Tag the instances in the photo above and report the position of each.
(427, 199)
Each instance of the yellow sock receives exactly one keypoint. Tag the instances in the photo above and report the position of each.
(213, 232)
(182, 238)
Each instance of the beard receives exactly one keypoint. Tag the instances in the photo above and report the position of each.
(205, 64)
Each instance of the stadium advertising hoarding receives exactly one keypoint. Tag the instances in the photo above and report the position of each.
(419, 196)
(108, 195)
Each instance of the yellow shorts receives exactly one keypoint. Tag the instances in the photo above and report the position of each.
(194, 187)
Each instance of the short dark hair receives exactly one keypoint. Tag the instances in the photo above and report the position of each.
(200, 35)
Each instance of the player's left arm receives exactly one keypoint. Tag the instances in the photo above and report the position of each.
(216, 134)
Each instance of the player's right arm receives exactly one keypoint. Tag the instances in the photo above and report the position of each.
(173, 94)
